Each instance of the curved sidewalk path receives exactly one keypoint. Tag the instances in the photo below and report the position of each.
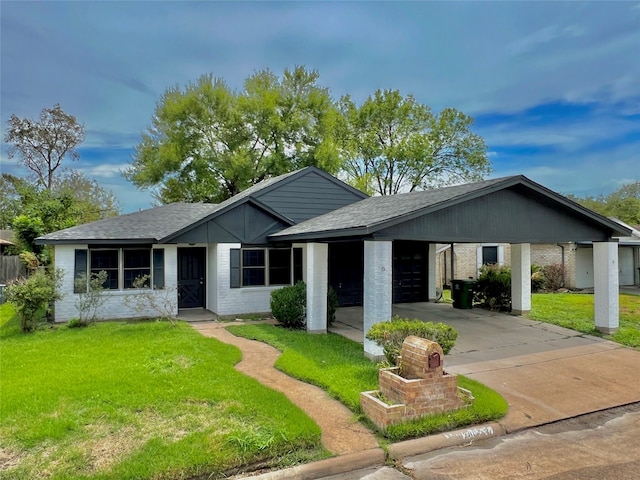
(341, 433)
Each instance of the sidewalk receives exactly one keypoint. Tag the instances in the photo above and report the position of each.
(546, 373)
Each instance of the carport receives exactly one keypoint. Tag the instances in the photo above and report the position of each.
(511, 210)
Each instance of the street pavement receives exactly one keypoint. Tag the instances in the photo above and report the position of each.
(599, 446)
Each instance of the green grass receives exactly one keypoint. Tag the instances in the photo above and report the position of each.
(338, 365)
(137, 400)
(576, 311)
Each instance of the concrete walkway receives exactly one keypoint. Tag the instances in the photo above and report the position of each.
(341, 432)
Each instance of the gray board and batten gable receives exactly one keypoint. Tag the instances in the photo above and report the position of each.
(510, 209)
(248, 217)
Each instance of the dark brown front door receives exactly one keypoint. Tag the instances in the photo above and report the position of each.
(191, 277)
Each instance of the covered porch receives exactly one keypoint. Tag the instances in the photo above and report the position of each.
(512, 210)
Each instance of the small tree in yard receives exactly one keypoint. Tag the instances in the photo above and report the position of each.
(33, 297)
(90, 296)
(161, 301)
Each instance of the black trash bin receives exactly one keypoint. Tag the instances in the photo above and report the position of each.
(462, 293)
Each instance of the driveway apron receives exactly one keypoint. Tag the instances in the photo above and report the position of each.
(545, 372)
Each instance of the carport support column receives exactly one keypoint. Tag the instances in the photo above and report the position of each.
(520, 278)
(317, 285)
(606, 286)
(378, 269)
(432, 261)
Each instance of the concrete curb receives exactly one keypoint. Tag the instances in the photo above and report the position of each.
(376, 457)
(331, 466)
(463, 436)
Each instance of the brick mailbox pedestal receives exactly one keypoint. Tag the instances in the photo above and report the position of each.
(417, 388)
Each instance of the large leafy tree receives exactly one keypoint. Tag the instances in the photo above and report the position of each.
(623, 204)
(41, 145)
(395, 144)
(208, 142)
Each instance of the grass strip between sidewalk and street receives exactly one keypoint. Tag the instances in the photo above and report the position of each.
(137, 400)
(339, 366)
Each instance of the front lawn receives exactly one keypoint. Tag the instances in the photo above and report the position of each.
(137, 400)
(576, 311)
(338, 365)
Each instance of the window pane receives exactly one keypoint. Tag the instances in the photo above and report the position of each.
(489, 255)
(131, 275)
(137, 258)
(253, 258)
(106, 260)
(252, 277)
(137, 264)
(279, 267)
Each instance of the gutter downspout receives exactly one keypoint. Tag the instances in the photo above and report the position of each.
(452, 262)
(563, 267)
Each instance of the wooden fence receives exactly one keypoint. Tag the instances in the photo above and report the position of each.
(11, 267)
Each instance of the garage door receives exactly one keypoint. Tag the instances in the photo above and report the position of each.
(410, 271)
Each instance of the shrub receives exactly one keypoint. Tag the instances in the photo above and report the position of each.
(553, 276)
(493, 288)
(390, 335)
(33, 297)
(288, 305)
(162, 301)
(537, 278)
(332, 305)
(90, 296)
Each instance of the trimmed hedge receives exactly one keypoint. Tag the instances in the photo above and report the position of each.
(390, 335)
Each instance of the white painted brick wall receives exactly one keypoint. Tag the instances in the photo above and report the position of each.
(115, 306)
(231, 301)
(378, 269)
(317, 284)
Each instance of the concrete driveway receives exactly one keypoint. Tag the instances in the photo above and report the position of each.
(546, 373)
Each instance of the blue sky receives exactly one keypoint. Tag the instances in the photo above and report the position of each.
(554, 86)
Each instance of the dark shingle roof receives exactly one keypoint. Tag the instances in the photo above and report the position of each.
(143, 226)
(156, 224)
(373, 211)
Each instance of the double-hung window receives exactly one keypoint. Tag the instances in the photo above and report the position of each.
(137, 264)
(105, 260)
(259, 267)
(123, 266)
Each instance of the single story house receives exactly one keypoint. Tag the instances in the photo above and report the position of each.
(308, 225)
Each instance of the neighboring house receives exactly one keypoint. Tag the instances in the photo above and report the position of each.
(308, 225)
(6, 237)
(576, 257)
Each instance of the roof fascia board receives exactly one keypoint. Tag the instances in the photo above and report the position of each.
(348, 232)
(100, 241)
